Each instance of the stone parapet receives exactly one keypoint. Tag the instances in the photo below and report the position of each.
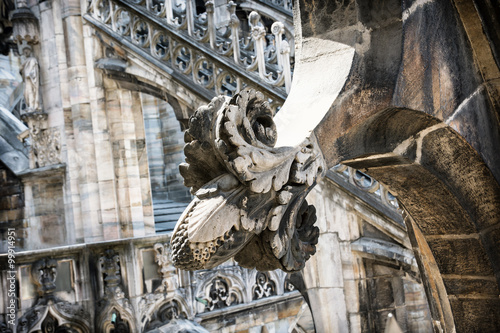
(132, 283)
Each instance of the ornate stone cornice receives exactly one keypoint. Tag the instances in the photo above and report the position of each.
(250, 195)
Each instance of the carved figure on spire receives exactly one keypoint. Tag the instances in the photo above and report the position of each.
(30, 73)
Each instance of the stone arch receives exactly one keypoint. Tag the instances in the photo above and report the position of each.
(105, 319)
(452, 204)
(129, 76)
(61, 317)
(417, 112)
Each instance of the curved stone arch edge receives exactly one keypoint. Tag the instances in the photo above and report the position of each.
(414, 157)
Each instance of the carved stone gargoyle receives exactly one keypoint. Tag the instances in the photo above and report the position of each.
(249, 195)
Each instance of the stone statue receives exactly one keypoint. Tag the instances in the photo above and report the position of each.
(30, 74)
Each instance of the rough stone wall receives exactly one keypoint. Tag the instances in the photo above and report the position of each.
(45, 211)
(419, 112)
(366, 282)
(11, 207)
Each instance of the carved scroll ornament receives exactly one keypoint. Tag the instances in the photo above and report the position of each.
(249, 195)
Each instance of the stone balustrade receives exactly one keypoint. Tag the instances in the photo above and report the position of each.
(286, 5)
(210, 46)
(367, 184)
(133, 281)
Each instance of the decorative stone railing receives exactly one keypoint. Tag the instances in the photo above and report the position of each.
(367, 184)
(135, 283)
(216, 54)
(286, 5)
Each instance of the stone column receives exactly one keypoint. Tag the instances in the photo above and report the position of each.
(81, 115)
(143, 163)
(39, 35)
(131, 191)
(173, 143)
(151, 109)
(323, 274)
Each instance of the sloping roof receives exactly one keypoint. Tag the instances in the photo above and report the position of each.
(12, 151)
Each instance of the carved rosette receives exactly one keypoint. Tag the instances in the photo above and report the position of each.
(249, 195)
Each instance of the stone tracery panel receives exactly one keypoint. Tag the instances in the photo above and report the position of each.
(264, 286)
(220, 295)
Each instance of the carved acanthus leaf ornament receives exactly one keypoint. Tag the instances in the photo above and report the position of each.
(249, 195)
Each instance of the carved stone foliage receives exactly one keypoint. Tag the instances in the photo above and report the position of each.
(110, 268)
(165, 268)
(249, 194)
(264, 286)
(45, 142)
(46, 145)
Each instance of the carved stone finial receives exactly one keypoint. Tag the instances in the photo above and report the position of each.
(278, 28)
(258, 30)
(114, 309)
(165, 268)
(111, 276)
(249, 195)
(44, 273)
